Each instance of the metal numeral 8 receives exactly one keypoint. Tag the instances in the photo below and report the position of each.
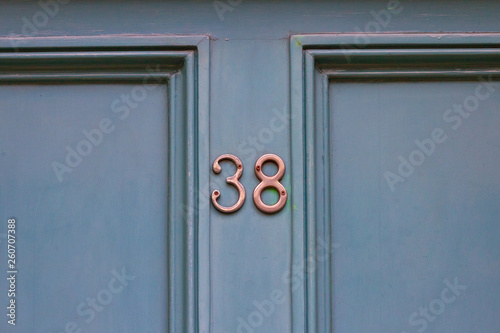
(266, 183)
(270, 182)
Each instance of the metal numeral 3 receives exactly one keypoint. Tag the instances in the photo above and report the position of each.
(233, 180)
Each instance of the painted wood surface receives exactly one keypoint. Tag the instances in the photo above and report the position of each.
(306, 80)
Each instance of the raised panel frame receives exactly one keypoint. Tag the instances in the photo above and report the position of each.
(184, 64)
(315, 61)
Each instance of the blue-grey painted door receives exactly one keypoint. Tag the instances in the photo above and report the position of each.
(112, 113)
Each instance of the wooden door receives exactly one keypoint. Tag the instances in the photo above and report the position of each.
(382, 117)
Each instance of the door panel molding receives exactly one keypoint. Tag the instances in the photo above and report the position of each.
(316, 60)
(184, 67)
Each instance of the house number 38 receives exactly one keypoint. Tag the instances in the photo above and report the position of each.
(266, 182)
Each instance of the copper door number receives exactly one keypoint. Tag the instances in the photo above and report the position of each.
(266, 183)
(270, 182)
(233, 180)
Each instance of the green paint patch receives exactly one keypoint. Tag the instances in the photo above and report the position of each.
(298, 41)
(270, 196)
(273, 191)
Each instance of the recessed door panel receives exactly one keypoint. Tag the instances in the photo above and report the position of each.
(414, 205)
(87, 186)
